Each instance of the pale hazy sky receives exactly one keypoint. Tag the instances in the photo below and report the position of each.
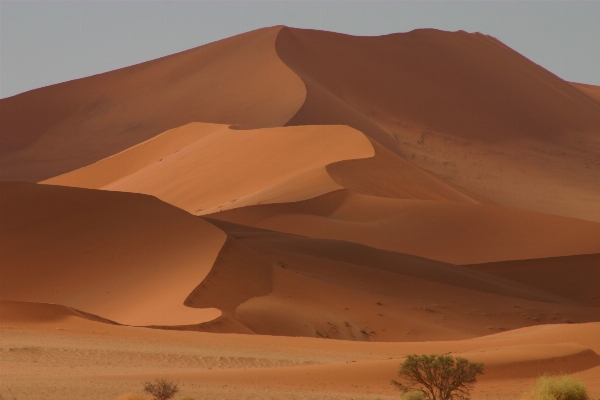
(47, 42)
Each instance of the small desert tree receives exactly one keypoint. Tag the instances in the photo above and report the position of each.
(439, 377)
(161, 389)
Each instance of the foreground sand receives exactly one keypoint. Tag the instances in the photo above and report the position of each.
(48, 352)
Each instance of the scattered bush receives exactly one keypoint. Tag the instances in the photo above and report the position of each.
(557, 388)
(161, 389)
(438, 377)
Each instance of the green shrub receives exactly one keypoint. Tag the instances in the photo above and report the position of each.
(557, 388)
(438, 377)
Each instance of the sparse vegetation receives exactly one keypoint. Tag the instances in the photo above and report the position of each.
(413, 395)
(161, 389)
(557, 388)
(437, 377)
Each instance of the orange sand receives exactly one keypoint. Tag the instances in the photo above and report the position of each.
(204, 168)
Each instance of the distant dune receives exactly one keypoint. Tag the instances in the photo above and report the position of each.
(454, 232)
(426, 191)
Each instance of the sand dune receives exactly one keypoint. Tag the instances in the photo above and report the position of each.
(295, 286)
(203, 168)
(462, 105)
(128, 258)
(469, 85)
(575, 277)
(239, 80)
(458, 233)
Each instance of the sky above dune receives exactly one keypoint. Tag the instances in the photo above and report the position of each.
(42, 43)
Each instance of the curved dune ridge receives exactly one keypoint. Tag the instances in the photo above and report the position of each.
(286, 285)
(124, 257)
(458, 233)
(238, 80)
(203, 168)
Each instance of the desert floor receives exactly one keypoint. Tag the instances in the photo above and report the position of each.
(68, 357)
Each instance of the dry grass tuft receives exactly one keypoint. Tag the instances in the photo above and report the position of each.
(557, 388)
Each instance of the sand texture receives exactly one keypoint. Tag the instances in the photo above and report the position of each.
(288, 213)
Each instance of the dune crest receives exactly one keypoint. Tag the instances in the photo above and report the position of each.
(238, 80)
(204, 168)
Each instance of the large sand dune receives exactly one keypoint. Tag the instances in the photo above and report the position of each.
(462, 105)
(468, 85)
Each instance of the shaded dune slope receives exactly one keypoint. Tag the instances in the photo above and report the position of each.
(203, 168)
(293, 286)
(576, 277)
(463, 106)
(128, 258)
(388, 175)
(458, 233)
(238, 80)
(470, 85)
